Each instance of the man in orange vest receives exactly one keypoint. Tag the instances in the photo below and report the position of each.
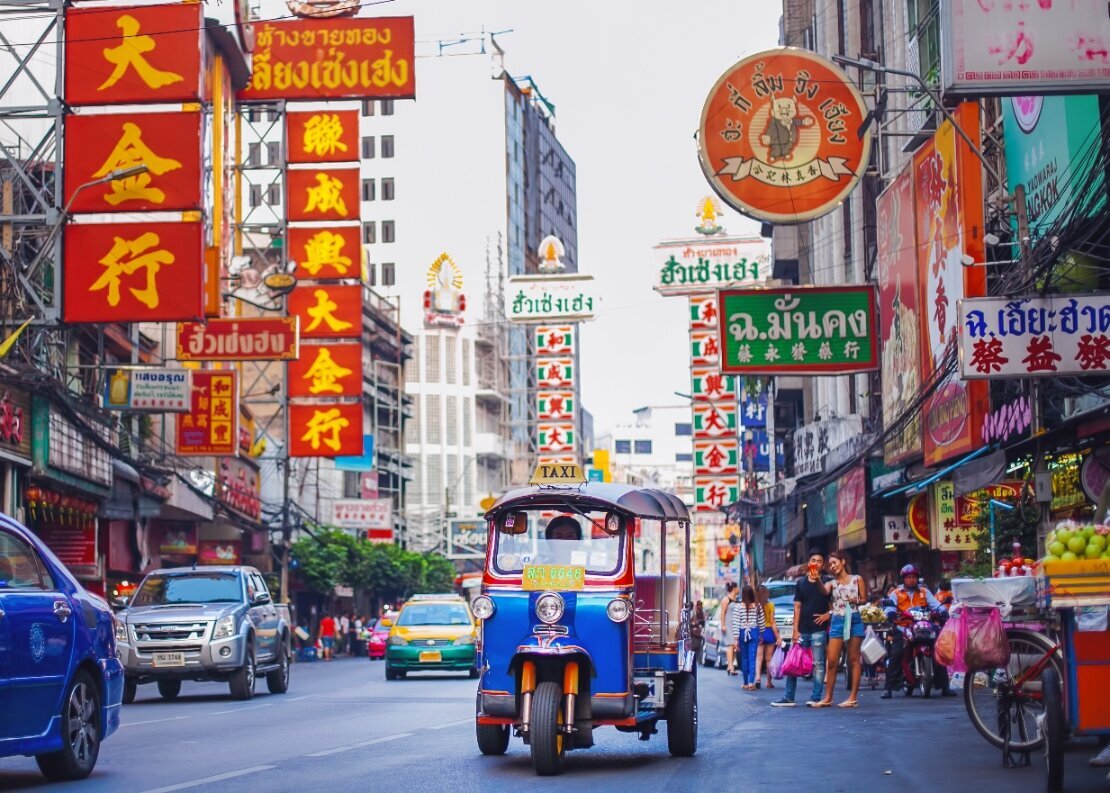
(910, 595)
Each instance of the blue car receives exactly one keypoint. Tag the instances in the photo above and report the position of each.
(61, 684)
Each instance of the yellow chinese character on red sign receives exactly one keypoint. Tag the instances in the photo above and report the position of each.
(323, 135)
(131, 52)
(131, 151)
(323, 312)
(325, 423)
(325, 374)
(128, 257)
(325, 249)
(326, 196)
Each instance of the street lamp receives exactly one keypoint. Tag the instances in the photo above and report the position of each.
(874, 66)
(112, 176)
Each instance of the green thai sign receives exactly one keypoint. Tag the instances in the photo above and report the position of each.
(798, 330)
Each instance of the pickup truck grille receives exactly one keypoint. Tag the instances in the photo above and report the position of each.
(170, 632)
(430, 642)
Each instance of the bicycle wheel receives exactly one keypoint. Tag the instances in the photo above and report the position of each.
(1005, 713)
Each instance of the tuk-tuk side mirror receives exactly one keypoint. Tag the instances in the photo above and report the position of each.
(513, 523)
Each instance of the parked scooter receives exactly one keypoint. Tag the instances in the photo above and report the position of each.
(918, 667)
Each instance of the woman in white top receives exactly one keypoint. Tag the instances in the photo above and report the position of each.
(848, 594)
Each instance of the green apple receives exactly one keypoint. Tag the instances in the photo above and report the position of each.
(1050, 538)
(1051, 558)
(1063, 535)
(1106, 554)
(1068, 556)
(1077, 544)
(1093, 552)
(1057, 549)
(1098, 541)
(1088, 531)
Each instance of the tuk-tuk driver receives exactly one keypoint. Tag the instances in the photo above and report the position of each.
(557, 533)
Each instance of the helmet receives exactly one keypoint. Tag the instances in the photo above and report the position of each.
(910, 569)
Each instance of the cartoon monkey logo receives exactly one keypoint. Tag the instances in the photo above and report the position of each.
(781, 133)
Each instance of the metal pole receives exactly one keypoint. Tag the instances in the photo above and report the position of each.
(1002, 505)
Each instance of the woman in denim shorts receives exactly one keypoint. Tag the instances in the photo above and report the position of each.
(846, 627)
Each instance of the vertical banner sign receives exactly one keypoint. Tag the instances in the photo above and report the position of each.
(327, 370)
(325, 253)
(130, 54)
(945, 532)
(331, 429)
(851, 507)
(322, 136)
(211, 427)
(327, 312)
(133, 272)
(898, 310)
(168, 144)
(322, 194)
(948, 186)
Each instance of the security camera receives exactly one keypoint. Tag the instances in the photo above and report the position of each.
(991, 239)
(966, 261)
(238, 264)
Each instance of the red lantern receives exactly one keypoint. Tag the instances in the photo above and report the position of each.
(726, 553)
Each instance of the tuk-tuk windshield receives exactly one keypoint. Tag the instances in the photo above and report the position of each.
(545, 536)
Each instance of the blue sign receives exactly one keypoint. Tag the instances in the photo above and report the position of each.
(364, 462)
(753, 411)
(757, 451)
(595, 475)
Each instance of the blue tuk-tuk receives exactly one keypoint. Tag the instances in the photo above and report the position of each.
(585, 612)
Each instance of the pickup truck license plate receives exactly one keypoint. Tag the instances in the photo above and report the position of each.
(170, 659)
(430, 657)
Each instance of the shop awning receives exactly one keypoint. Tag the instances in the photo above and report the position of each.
(921, 484)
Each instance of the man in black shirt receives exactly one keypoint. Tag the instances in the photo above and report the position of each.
(811, 616)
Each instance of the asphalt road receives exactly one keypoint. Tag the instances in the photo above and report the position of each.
(342, 727)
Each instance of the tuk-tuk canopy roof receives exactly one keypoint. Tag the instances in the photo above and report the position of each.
(642, 502)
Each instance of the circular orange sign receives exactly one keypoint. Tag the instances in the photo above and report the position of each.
(778, 136)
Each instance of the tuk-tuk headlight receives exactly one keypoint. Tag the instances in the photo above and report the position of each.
(618, 610)
(549, 607)
(482, 607)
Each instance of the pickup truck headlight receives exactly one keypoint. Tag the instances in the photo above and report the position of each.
(121, 630)
(397, 641)
(464, 640)
(225, 628)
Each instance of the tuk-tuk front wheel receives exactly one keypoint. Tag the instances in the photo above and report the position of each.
(682, 717)
(493, 739)
(546, 729)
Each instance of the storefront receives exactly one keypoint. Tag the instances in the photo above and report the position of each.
(15, 447)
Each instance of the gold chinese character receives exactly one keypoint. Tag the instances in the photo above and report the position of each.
(325, 374)
(131, 151)
(127, 257)
(323, 135)
(322, 312)
(325, 249)
(322, 423)
(326, 196)
(131, 52)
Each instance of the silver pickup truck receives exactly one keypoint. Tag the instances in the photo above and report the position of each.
(204, 623)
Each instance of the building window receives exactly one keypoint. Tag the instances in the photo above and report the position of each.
(684, 457)
(368, 190)
(432, 418)
(452, 420)
(466, 363)
(412, 369)
(256, 195)
(467, 410)
(449, 356)
(387, 107)
(387, 145)
(387, 189)
(643, 447)
(389, 273)
(254, 154)
(431, 359)
(369, 232)
(273, 153)
(389, 231)
(367, 107)
(371, 274)
(273, 194)
(683, 429)
(622, 447)
(433, 484)
(368, 147)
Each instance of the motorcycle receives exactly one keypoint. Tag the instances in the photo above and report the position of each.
(918, 665)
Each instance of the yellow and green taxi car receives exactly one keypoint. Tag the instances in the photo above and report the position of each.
(432, 632)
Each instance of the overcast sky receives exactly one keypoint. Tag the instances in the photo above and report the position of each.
(628, 81)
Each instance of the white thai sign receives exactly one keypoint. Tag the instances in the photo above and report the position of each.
(1034, 337)
(365, 514)
(551, 298)
(695, 266)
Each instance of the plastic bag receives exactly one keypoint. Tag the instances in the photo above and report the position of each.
(777, 661)
(986, 646)
(872, 649)
(799, 661)
(951, 645)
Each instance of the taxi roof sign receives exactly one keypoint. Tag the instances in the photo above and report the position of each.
(558, 474)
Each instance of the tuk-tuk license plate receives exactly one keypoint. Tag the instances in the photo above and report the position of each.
(169, 659)
(430, 657)
(565, 577)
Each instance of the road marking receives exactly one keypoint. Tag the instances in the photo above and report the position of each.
(339, 749)
(153, 721)
(240, 710)
(298, 699)
(451, 724)
(210, 779)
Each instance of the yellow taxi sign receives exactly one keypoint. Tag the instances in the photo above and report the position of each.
(558, 474)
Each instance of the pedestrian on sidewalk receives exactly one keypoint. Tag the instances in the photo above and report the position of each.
(352, 634)
(732, 592)
(811, 614)
(697, 630)
(848, 593)
(341, 626)
(769, 638)
(327, 636)
(747, 625)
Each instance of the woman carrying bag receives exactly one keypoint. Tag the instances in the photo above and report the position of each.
(846, 628)
(769, 638)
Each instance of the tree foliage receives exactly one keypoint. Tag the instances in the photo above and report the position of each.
(1017, 525)
(334, 558)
